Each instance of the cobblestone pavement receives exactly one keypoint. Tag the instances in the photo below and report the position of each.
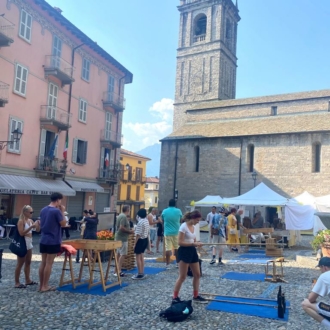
(137, 305)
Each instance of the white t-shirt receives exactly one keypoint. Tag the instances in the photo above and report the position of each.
(189, 237)
(322, 286)
(209, 218)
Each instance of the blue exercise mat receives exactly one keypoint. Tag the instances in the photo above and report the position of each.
(269, 312)
(155, 261)
(256, 251)
(147, 270)
(250, 256)
(249, 261)
(94, 291)
(243, 276)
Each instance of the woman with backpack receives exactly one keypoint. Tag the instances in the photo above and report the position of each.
(188, 257)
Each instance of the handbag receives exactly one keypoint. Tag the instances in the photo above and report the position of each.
(18, 245)
(232, 231)
(214, 231)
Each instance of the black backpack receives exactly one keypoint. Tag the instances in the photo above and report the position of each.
(178, 312)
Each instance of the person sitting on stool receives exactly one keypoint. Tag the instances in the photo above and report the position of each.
(320, 311)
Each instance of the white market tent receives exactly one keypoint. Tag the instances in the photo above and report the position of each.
(209, 201)
(260, 195)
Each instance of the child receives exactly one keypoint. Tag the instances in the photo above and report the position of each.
(141, 243)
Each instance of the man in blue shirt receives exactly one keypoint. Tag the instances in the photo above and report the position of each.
(171, 218)
(219, 234)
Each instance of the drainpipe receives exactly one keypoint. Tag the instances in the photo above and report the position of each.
(175, 168)
(70, 92)
(117, 128)
(240, 168)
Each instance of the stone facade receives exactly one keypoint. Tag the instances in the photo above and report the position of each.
(206, 60)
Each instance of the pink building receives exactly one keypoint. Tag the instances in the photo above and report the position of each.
(57, 85)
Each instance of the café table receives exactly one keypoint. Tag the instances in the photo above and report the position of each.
(8, 227)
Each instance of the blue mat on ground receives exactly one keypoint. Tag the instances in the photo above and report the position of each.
(147, 270)
(95, 291)
(250, 256)
(155, 261)
(269, 312)
(256, 251)
(243, 276)
(249, 261)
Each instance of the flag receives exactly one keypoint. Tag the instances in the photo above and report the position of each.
(106, 159)
(66, 146)
(51, 153)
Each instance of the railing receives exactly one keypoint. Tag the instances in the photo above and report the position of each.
(50, 112)
(199, 38)
(51, 165)
(111, 136)
(111, 173)
(6, 28)
(133, 177)
(113, 99)
(55, 62)
(4, 91)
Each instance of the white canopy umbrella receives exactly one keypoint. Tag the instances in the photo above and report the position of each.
(209, 201)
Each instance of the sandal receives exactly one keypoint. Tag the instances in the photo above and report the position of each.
(21, 286)
(149, 252)
(31, 283)
(52, 288)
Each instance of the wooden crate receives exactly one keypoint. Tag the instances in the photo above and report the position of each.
(274, 253)
(91, 244)
(129, 262)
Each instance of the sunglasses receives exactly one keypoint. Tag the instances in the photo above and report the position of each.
(31, 212)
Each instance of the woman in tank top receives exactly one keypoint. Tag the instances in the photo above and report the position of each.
(25, 226)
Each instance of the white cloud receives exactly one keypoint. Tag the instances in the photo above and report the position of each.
(163, 109)
(145, 134)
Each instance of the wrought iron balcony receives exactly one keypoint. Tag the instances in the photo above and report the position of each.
(51, 166)
(199, 38)
(56, 67)
(6, 32)
(4, 89)
(133, 177)
(113, 100)
(110, 137)
(52, 115)
(109, 174)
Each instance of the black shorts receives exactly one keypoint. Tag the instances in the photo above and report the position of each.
(50, 249)
(160, 232)
(187, 254)
(141, 245)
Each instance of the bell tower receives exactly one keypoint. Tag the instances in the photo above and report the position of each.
(206, 55)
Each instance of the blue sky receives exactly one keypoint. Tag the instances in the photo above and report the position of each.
(283, 47)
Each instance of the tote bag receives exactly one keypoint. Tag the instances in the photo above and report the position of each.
(18, 245)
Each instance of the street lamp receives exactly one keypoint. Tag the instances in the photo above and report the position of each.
(17, 134)
(254, 177)
(127, 167)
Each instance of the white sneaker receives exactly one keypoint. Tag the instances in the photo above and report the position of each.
(212, 262)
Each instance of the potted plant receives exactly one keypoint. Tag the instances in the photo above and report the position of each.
(322, 240)
(106, 235)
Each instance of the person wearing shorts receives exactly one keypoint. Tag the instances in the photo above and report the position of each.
(122, 233)
(320, 311)
(188, 257)
(141, 243)
(52, 220)
(171, 219)
(218, 234)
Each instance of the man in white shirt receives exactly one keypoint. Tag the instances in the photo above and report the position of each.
(209, 219)
(320, 311)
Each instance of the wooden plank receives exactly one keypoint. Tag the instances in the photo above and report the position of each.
(97, 245)
(258, 230)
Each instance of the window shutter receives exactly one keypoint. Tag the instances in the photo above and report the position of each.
(42, 143)
(19, 126)
(74, 150)
(56, 146)
(22, 27)
(85, 153)
(85, 110)
(12, 126)
(23, 81)
(18, 78)
(102, 162)
(112, 157)
(28, 27)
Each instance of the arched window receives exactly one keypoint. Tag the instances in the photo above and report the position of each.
(250, 157)
(196, 157)
(200, 28)
(316, 157)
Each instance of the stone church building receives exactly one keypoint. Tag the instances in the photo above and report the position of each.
(219, 141)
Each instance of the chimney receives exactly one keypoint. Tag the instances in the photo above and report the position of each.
(59, 10)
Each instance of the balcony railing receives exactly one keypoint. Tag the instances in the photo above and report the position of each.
(6, 32)
(110, 137)
(110, 174)
(4, 92)
(199, 38)
(52, 115)
(113, 100)
(50, 165)
(133, 177)
(55, 66)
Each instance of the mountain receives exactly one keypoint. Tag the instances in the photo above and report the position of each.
(152, 152)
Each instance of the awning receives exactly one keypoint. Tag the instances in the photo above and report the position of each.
(15, 184)
(84, 186)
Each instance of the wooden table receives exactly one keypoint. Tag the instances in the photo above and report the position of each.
(91, 252)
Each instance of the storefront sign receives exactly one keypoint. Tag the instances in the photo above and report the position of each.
(25, 192)
(88, 190)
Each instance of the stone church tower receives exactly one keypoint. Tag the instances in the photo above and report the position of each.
(206, 56)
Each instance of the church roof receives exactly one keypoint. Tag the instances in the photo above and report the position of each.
(281, 124)
(261, 100)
